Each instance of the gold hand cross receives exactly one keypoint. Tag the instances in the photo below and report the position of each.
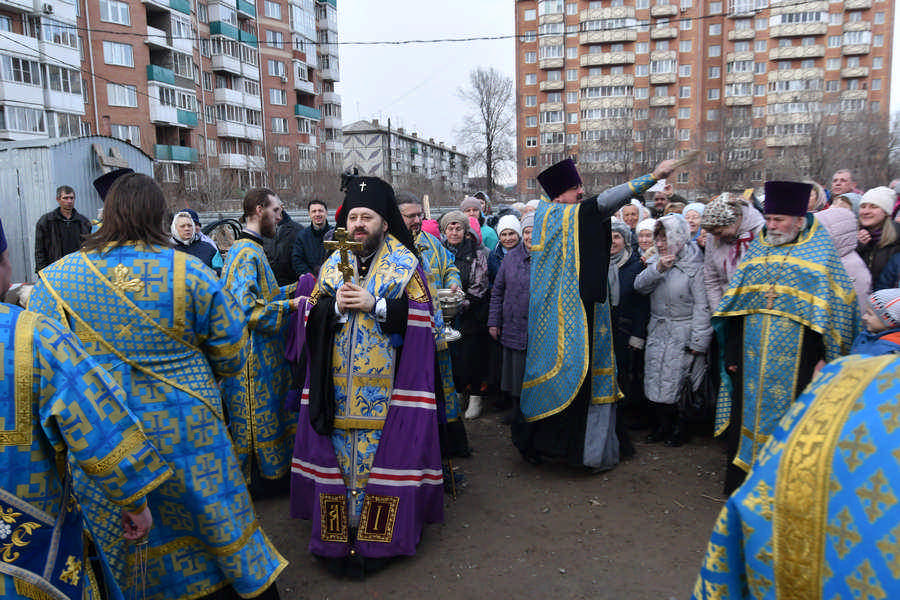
(341, 242)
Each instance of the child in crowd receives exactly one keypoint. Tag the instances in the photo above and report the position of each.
(882, 320)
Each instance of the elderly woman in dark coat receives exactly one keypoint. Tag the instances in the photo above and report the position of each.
(470, 354)
(508, 318)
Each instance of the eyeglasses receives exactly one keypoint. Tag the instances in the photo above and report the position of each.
(415, 215)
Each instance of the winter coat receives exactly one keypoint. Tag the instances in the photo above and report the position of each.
(679, 319)
(721, 260)
(842, 225)
(876, 256)
(55, 236)
(509, 299)
(629, 318)
(494, 259)
(309, 253)
(876, 344)
(471, 259)
(890, 275)
(206, 252)
(280, 249)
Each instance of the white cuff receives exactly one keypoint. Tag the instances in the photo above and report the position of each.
(380, 310)
(342, 318)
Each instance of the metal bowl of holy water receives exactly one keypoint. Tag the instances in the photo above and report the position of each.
(450, 301)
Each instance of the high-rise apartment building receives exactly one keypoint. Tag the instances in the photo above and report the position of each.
(221, 93)
(622, 84)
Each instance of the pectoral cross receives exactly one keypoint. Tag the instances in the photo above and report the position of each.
(342, 243)
(770, 297)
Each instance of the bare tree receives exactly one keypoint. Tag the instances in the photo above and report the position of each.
(487, 132)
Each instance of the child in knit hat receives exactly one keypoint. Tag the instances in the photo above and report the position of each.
(882, 320)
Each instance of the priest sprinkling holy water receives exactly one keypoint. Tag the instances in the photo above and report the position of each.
(367, 465)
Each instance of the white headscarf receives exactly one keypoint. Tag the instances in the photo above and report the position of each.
(678, 232)
(174, 228)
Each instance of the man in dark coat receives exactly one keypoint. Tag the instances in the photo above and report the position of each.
(280, 249)
(60, 231)
(309, 253)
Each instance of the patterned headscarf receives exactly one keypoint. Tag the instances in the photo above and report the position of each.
(719, 213)
(678, 232)
(886, 304)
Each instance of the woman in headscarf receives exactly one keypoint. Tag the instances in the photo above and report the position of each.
(818, 199)
(186, 237)
(680, 331)
(470, 354)
(693, 214)
(644, 233)
(629, 312)
(633, 213)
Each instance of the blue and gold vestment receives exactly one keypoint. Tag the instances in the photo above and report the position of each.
(817, 517)
(440, 268)
(780, 291)
(160, 322)
(259, 423)
(57, 399)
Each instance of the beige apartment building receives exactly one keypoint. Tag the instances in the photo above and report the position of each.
(622, 84)
(220, 93)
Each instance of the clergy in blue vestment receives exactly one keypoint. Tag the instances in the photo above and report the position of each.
(57, 399)
(568, 403)
(790, 308)
(260, 425)
(817, 517)
(160, 322)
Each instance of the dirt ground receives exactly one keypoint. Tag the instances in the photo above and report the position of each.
(520, 531)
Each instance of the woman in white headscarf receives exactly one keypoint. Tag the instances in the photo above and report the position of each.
(644, 234)
(680, 331)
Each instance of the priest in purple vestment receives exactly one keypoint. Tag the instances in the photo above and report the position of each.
(367, 467)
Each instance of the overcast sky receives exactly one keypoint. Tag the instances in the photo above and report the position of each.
(416, 84)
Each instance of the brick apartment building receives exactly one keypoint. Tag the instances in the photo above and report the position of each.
(221, 93)
(621, 84)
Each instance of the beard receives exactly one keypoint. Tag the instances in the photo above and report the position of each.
(370, 242)
(268, 228)
(779, 238)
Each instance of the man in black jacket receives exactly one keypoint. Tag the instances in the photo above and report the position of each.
(309, 253)
(280, 249)
(60, 231)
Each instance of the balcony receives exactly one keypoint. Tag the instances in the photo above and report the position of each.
(332, 122)
(250, 71)
(307, 112)
(157, 38)
(226, 62)
(858, 26)
(742, 34)
(246, 9)
(180, 154)
(798, 30)
(545, 106)
(252, 101)
(17, 5)
(329, 21)
(187, 118)
(20, 92)
(254, 133)
(229, 96)
(739, 78)
(182, 6)
(857, 4)
(598, 80)
(161, 114)
(226, 29)
(787, 140)
(814, 51)
(855, 49)
(230, 129)
(157, 5)
(552, 85)
(160, 74)
(663, 78)
(663, 10)
(59, 53)
(662, 101)
(792, 74)
(64, 102)
(608, 12)
(607, 36)
(855, 72)
(304, 86)
(591, 59)
(62, 10)
(256, 163)
(739, 100)
(663, 33)
(232, 161)
(330, 98)
(334, 146)
(551, 63)
(330, 74)
(19, 45)
(853, 95)
(249, 38)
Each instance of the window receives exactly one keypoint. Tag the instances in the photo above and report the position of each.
(126, 133)
(685, 24)
(759, 68)
(530, 57)
(684, 113)
(571, 52)
(743, 24)
(877, 40)
(183, 65)
(761, 23)
(809, 63)
(760, 45)
(715, 8)
(684, 46)
(571, 75)
(554, 75)
(571, 97)
(641, 93)
(712, 94)
(274, 38)
(684, 176)
(531, 141)
(662, 45)
(529, 36)
(551, 116)
(279, 125)
(742, 46)
(641, 70)
(715, 50)
(715, 29)
(121, 95)
(877, 62)
(554, 97)
(660, 91)
(879, 18)
(202, 13)
(277, 96)
(530, 14)
(642, 4)
(282, 154)
(118, 54)
(876, 84)
(272, 9)
(832, 86)
(855, 16)
(684, 134)
(712, 114)
(276, 68)
(531, 100)
(59, 33)
(60, 79)
(531, 161)
(715, 72)
(531, 121)
(18, 118)
(572, 117)
(759, 89)
(712, 136)
(572, 8)
(642, 47)
(684, 91)
(530, 78)
(834, 41)
(114, 12)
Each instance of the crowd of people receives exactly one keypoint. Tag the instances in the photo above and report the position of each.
(183, 380)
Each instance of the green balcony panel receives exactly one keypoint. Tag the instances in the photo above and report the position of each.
(249, 39)
(301, 110)
(184, 153)
(162, 152)
(187, 117)
(246, 7)
(331, 2)
(183, 6)
(226, 29)
(160, 74)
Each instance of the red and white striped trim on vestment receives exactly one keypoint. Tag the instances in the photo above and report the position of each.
(304, 397)
(413, 399)
(420, 318)
(405, 477)
(325, 475)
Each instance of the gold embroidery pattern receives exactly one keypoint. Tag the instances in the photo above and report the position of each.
(803, 482)
(72, 573)
(24, 384)
(121, 280)
(333, 509)
(891, 550)
(376, 523)
(416, 289)
(132, 441)
(16, 537)
(863, 582)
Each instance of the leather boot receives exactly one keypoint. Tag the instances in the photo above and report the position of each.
(676, 436)
(661, 431)
(474, 409)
